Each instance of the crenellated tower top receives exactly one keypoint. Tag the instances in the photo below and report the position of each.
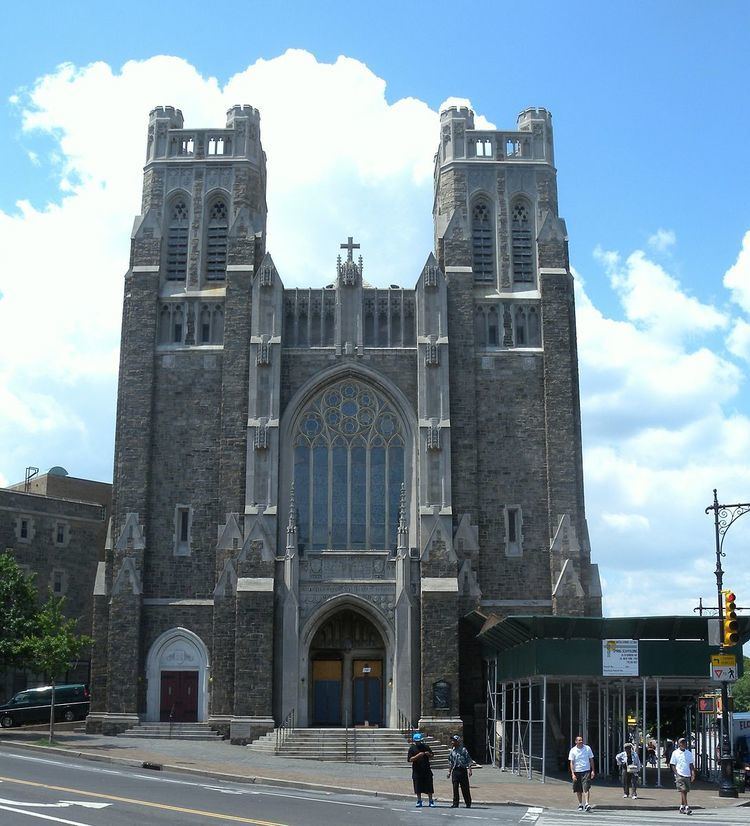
(169, 140)
(460, 140)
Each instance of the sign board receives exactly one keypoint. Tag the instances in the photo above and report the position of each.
(714, 632)
(620, 658)
(728, 660)
(723, 668)
(723, 674)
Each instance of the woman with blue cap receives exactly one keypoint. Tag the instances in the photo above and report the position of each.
(421, 773)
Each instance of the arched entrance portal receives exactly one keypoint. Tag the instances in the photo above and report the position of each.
(347, 667)
(177, 671)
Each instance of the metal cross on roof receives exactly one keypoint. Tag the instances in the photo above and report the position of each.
(349, 246)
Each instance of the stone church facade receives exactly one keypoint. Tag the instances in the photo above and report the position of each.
(313, 487)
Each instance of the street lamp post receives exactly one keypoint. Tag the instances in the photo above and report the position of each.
(724, 517)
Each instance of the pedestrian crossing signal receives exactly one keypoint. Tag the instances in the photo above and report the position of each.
(731, 623)
(707, 705)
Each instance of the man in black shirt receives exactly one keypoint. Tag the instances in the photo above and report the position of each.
(421, 773)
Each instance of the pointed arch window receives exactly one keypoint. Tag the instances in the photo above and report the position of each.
(483, 241)
(523, 259)
(349, 460)
(177, 240)
(217, 232)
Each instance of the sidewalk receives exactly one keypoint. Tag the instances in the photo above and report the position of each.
(224, 761)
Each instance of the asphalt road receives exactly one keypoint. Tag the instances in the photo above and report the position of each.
(83, 793)
(53, 790)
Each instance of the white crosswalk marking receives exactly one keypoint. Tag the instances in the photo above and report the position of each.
(715, 817)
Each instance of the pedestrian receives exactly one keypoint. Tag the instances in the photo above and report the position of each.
(460, 771)
(581, 764)
(421, 773)
(630, 765)
(682, 763)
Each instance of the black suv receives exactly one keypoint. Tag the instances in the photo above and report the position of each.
(33, 705)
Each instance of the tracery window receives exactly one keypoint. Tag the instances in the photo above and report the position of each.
(482, 240)
(177, 241)
(349, 459)
(523, 261)
(216, 241)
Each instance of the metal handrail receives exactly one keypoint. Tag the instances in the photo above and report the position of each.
(284, 731)
(405, 724)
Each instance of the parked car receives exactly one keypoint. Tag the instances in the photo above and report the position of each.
(33, 705)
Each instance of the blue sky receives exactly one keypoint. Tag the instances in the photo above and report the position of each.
(649, 102)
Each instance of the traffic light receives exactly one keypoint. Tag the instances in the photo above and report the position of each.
(731, 624)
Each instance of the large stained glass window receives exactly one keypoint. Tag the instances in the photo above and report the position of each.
(348, 469)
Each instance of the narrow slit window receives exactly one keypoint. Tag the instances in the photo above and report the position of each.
(205, 325)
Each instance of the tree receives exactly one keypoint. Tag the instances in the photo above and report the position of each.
(18, 610)
(741, 689)
(53, 645)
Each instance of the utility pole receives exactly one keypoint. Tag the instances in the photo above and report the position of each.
(724, 517)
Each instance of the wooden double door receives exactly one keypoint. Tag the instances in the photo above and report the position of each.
(179, 696)
(355, 701)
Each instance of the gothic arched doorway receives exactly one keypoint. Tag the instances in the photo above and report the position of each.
(347, 658)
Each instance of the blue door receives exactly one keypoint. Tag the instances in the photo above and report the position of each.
(327, 692)
(368, 692)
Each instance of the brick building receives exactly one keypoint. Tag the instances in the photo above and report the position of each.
(54, 525)
(313, 487)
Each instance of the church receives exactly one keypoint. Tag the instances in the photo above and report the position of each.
(315, 488)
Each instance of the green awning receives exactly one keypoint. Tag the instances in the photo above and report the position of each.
(502, 634)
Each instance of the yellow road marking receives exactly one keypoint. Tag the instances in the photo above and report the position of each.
(167, 807)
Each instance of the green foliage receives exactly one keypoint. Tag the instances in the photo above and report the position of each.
(54, 642)
(18, 611)
(741, 689)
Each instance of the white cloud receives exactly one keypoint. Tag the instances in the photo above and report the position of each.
(654, 299)
(662, 240)
(658, 439)
(626, 521)
(738, 340)
(737, 277)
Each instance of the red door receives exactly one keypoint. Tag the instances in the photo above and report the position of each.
(179, 696)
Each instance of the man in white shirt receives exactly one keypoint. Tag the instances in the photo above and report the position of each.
(682, 763)
(581, 762)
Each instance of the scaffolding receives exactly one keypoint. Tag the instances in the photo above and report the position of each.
(532, 723)
(537, 704)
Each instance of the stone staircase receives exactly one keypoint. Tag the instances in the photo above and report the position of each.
(175, 731)
(381, 746)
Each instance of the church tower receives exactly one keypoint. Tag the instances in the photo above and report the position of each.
(515, 409)
(318, 490)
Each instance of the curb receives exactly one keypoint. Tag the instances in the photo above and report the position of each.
(301, 784)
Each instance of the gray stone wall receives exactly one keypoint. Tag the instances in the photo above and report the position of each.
(184, 471)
